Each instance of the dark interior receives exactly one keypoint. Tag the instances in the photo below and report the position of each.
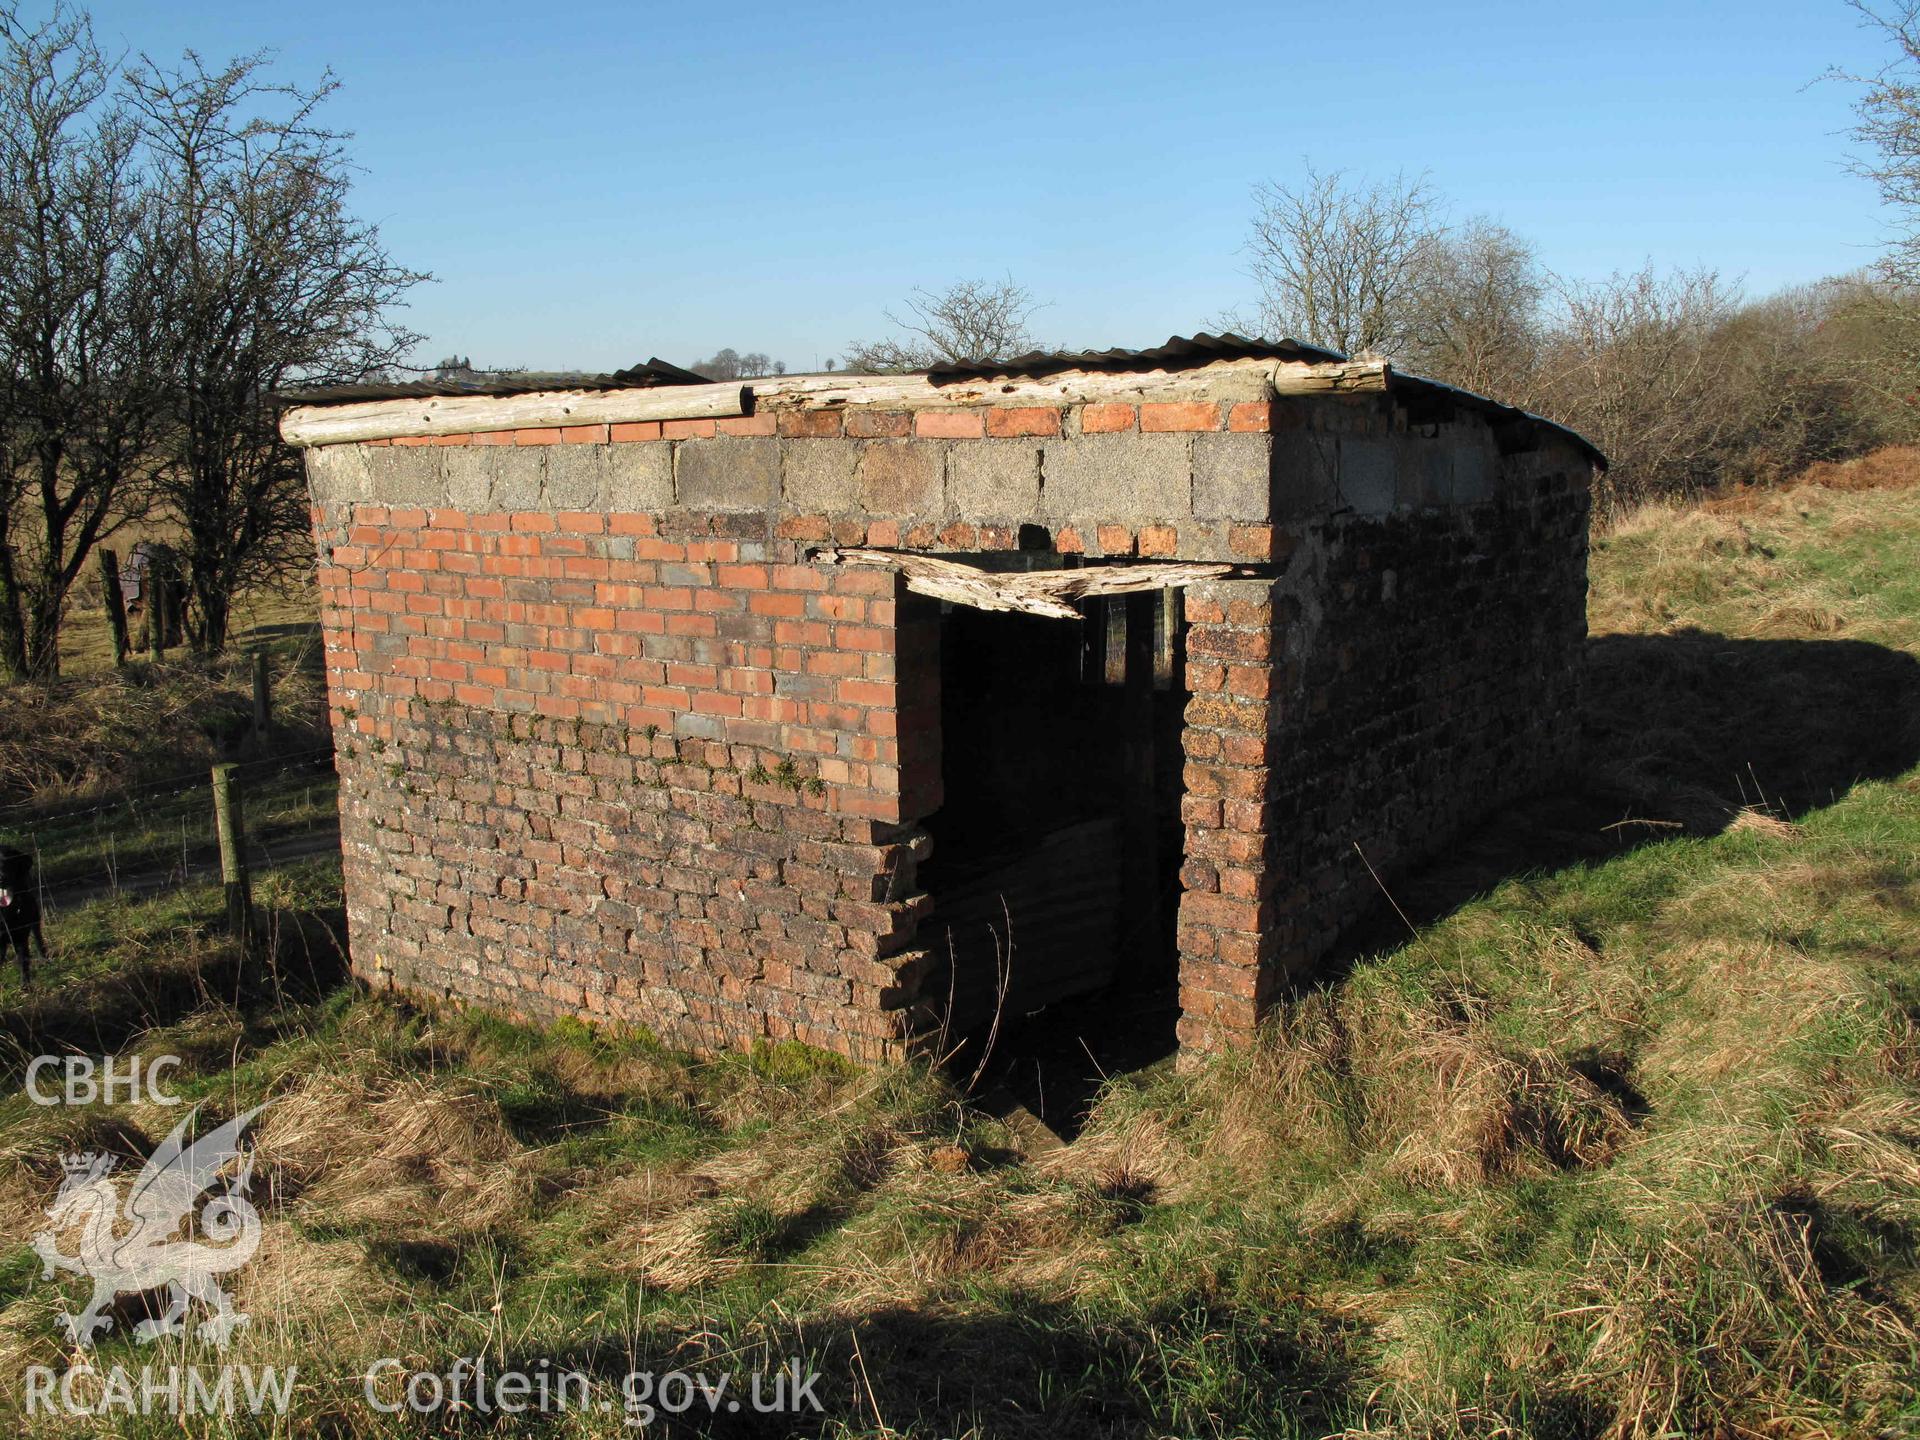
(1057, 849)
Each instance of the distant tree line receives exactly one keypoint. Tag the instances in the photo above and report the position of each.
(1683, 381)
(732, 365)
(175, 246)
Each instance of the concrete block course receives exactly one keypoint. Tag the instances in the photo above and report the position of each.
(468, 478)
(1233, 477)
(575, 476)
(900, 477)
(993, 478)
(340, 473)
(1128, 477)
(727, 474)
(1306, 467)
(1368, 478)
(819, 478)
(1424, 468)
(404, 477)
(638, 479)
(1476, 466)
(519, 475)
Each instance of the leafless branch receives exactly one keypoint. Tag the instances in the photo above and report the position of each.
(970, 321)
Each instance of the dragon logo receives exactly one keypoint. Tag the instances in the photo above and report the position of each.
(150, 1253)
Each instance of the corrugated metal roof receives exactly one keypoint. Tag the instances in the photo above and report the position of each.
(1179, 353)
(496, 382)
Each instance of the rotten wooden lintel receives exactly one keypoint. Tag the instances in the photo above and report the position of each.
(1051, 593)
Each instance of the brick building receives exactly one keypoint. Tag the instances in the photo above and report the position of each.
(753, 710)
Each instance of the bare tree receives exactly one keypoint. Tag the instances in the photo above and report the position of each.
(1887, 115)
(968, 322)
(1341, 265)
(1869, 333)
(1475, 316)
(1682, 384)
(77, 292)
(269, 280)
(1888, 120)
(1635, 364)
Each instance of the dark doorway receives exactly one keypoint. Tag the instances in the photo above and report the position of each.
(1057, 848)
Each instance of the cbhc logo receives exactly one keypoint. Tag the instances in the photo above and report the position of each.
(86, 1081)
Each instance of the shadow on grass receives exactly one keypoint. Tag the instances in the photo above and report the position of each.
(300, 958)
(1786, 724)
(1035, 1369)
(1682, 733)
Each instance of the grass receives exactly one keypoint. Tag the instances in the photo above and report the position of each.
(165, 835)
(1625, 1141)
(104, 772)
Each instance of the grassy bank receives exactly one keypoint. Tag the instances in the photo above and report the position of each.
(104, 772)
(1625, 1140)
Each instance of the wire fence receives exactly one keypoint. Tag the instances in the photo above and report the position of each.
(160, 835)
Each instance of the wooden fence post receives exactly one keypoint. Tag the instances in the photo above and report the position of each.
(231, 828)
(115, 602)
(156, 612)
(262, 699)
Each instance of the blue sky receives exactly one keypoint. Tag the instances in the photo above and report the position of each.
(595, 183)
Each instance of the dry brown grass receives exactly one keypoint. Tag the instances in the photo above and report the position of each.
(1128, 1148)
(99, 736)
(30, 1152)
(1685, 558)
(1892, 467)
(1478, 1115)
(1720, 1328)
(933, 1238)
(431, 1158)
(297, 1283)
(745, 1206)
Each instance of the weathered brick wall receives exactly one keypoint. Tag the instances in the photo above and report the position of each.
(1412, 668)
(587, 769)
(613, 744)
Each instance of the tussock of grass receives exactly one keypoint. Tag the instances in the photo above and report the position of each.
(414, 1156)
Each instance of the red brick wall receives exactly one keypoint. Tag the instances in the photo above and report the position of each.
(1405, 676)
(591, 769)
